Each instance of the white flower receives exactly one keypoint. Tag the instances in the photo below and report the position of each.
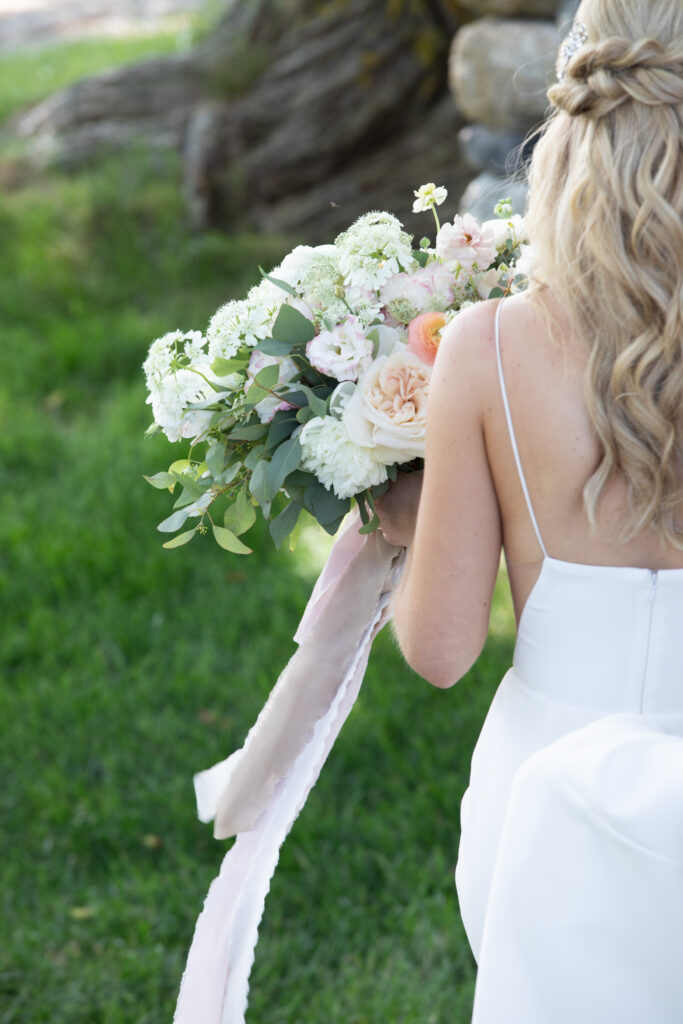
(342, 353)
(427, 289)
(267, 299)
(175, 369)
(172, 351)
(429, 196)
(486, 282)
(365, 304)
(268, 406)
(466, 242)
(236, 324)
(387, 411)
(299, 262)
(338, 463)
(514, 228)
(373, 249)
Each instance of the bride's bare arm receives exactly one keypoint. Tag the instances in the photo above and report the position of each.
(441, 609)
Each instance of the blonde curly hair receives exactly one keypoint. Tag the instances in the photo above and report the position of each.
(606, 223)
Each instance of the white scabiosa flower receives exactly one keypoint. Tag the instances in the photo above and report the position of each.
(429, 196)
(373, 249)
(365, 303)
(237, 324)
(339, 464)
(342, 353)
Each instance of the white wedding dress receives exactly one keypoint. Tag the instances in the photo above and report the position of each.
(570, 868)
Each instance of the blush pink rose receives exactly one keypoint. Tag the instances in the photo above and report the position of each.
(467, 242)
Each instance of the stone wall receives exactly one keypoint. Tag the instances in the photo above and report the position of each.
(500, 67)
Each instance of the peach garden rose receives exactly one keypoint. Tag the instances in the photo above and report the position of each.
(387, 410)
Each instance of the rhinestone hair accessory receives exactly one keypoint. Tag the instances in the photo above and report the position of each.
(574, 41)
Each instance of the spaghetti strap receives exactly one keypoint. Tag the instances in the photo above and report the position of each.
(511, 431)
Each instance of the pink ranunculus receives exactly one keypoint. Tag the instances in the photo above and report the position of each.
(467, 242)
(424, 336)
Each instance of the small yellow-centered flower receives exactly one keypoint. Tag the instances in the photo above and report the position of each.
(428, 196)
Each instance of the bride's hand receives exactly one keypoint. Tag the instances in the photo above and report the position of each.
(397, 508)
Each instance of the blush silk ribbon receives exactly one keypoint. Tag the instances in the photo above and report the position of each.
(257, 792)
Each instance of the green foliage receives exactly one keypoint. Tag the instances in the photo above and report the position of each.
(27, 78)
(125, 668)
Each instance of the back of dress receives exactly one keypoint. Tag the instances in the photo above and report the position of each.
(585, 730)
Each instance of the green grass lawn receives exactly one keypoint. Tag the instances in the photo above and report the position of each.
(126, 668)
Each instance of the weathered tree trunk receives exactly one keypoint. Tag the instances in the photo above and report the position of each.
(290, 115)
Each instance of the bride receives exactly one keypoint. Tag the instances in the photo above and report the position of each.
(555, 432)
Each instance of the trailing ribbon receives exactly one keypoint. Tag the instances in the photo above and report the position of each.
(257, 792)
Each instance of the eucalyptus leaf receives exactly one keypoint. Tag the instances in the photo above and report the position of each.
(215, 460)
(249, 432)
(240, 516)
(283, 524)
(223, 367)
(496, 293)
(285, 460)
(228, 541)
(281, 426)
(230, 472)
(292, 326)
(315, 402)
(174, 521)
(263, 384)
(195, 487)
(305, 414)
(302, 478)
(286, 287)
(295, 534)
(325, 505)
(332, 527)
(179, 540)
(274, 347)
(257, 483)
(162, 481)
(179, 466)
(254, 456)
(185, 498)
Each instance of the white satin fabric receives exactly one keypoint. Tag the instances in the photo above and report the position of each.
(570, 868)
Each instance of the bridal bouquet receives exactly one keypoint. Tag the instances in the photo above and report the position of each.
(308, 394)
(311, 391)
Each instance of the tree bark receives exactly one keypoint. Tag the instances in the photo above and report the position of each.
(290, 115)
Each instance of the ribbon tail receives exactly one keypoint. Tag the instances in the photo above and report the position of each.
(268, 780)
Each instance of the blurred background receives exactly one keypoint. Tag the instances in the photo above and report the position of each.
(152, 155)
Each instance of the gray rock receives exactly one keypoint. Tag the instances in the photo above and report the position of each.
(482, 194)
(500, 69)
(484, 148)
(511, 8)
(566, 12)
